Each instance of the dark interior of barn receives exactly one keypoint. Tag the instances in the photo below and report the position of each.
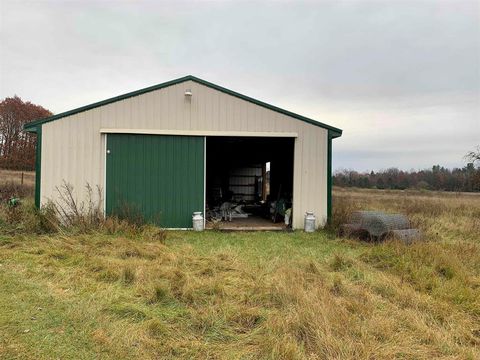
(249, 182)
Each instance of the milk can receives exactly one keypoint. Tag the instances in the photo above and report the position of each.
(309, 222)
(197, 220)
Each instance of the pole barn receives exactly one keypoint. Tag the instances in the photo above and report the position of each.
(185, 146)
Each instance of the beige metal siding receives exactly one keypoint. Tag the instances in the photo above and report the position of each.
(73, 148)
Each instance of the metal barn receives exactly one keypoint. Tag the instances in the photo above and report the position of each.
(185, 146)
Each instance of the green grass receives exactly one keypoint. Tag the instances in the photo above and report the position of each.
(264, 246)
(235, 295)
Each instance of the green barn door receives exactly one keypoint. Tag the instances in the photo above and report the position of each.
(160, 177)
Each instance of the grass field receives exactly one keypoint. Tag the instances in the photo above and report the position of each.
(120, 294)
(10, 176)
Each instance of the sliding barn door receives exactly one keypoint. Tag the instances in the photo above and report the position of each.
(157, 177)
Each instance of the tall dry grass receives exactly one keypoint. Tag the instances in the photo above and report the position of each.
(15, 177)
(250, 296)
(152, 300)
(441, 216)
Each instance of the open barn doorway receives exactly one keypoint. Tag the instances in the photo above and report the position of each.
(249, 183)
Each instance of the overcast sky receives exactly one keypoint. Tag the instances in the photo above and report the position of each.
(401, 78)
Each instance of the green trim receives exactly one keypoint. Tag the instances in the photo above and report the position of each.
(335, 132)
(38, 164)
(329, 177)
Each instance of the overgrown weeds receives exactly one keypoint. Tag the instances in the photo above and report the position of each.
(341, 211)
(13, 190)
(68, 215)
(82, 215)
(27, 219)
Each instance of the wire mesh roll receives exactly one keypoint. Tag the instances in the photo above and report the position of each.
(378, 223)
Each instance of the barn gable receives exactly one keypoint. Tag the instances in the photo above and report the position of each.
(32, 126)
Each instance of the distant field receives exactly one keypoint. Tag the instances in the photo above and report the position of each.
(116, 294)
(10, 176)
(408, 192)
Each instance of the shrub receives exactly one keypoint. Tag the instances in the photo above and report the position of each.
(130, 213)
(47, 221)
(10, 189)
(88, 216)
(27, 219)
(84, 216)
(342, 208)
(13, 214)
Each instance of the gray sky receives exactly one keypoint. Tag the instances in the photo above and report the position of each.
(401, 78)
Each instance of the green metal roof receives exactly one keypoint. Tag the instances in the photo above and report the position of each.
(32, 126)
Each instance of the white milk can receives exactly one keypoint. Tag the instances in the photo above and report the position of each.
(197, 220)
(309, 222)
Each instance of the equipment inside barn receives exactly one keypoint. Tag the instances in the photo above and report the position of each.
(249, 182)
(377, 225)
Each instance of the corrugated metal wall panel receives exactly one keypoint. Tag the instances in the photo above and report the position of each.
(74, 148)
(159, 177)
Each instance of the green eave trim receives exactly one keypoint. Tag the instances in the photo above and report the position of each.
(329, 177)
(38, 164)
(32, 125)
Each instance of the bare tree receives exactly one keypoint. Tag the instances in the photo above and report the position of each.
(474, 155)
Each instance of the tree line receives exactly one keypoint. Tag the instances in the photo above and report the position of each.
(466, 179)
(17, 147)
